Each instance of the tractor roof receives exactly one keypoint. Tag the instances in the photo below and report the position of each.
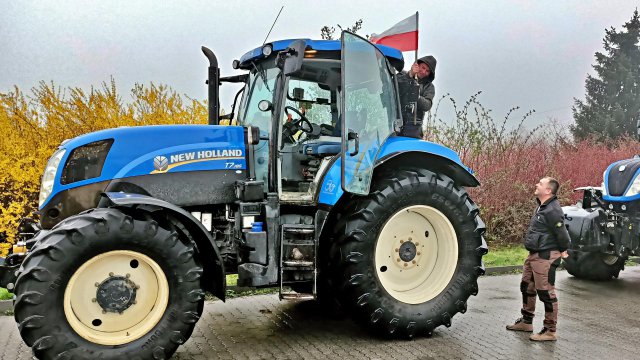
(393, 55)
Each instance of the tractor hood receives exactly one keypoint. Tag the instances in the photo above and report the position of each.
(622, 181)
(127, 152)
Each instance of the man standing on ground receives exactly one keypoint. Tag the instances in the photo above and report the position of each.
(547, 240)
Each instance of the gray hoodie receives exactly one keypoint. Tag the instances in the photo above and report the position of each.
(427, 90)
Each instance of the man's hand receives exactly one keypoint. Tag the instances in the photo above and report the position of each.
(414, 69)
(564, 254)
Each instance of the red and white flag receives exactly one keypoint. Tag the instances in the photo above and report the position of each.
(402, 36)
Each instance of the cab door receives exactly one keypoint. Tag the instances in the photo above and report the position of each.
(368, 109)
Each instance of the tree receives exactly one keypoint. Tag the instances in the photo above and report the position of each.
(612, 101)
(326, 33)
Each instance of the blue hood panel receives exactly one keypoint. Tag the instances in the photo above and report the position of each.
(149, 150)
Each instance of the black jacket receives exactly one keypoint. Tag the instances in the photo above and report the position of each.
(427, 91)
(547, 231)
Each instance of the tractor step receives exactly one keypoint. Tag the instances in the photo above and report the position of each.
(298, 245)
(296, 296)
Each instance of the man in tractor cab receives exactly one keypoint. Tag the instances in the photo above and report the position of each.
(424, 70)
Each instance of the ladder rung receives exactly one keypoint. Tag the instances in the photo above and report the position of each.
(299, 242)
(296, 296)
(298, 268)
(297, 230)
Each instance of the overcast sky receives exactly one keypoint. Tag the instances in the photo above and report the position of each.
(532, 54)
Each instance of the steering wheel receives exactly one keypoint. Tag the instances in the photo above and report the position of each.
(303, 124)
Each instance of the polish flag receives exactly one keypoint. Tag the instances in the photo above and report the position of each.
(402, 36)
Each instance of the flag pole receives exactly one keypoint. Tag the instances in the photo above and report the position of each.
(417, 33)
(415, 61)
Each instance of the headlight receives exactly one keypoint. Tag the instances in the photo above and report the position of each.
(604, 181)
(634, 189)
(267, 50)
(49, 176)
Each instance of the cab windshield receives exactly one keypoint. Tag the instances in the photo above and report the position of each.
(261, 85)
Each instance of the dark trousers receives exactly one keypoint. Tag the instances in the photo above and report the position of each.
(410, 130)
(539, 277)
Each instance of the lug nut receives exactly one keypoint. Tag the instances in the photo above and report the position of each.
(128, 276)
(97, 284)
(417, 243)
(94, 300)
(409, 239)
(110, 274)
(398, 259)
(405, 264)
(418, 253)
(413, 262)
(397, 250)
(401, 241)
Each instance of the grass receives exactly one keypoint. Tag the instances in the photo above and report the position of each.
(5, 294)
(505, 256)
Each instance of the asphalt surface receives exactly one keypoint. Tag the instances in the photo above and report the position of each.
(596, 321)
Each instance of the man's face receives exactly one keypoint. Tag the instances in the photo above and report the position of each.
(542, 187)
(423, 70)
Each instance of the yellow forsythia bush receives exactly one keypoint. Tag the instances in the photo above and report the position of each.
(33, 125)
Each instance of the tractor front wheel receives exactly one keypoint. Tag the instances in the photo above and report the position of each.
(107, 285)
(593, 265)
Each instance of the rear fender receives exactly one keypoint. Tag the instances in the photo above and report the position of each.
(400, 152)
(214, 279)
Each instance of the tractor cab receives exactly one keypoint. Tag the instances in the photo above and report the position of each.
(294, 96)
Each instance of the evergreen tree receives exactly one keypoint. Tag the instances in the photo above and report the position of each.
(612, 102)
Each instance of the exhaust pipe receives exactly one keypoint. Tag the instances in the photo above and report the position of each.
(213, 82)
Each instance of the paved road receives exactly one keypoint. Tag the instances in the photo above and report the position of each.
(597, 321)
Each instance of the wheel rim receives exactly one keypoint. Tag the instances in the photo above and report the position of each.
(142, 294)
(416, 254)
(609, 259)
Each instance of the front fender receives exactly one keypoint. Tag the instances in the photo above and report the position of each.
(213, 270)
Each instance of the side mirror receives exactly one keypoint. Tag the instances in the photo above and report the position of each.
(290, 60)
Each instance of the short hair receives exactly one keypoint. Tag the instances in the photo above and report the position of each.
(554, 185)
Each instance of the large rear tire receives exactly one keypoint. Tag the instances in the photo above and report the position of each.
(594, 266)
(408, 255)
(107, 285)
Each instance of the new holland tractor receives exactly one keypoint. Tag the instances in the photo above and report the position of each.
(605, 226)
(310, 190)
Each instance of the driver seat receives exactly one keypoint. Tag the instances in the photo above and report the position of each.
(323, 146)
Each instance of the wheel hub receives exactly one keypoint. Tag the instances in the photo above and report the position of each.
(97, 297)
(416, 254)
(407, 251)
(116, 294)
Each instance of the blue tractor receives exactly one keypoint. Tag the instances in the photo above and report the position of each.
(309, 189)
(605, 226)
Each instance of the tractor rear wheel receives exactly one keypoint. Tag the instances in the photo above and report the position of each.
(107, 285)
(408, 255)
(594, 266)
